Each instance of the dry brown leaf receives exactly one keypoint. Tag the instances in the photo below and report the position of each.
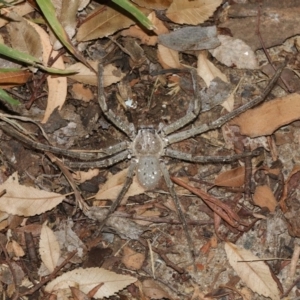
(49, 248)
(268, 117)
(235, 52)
(232, 178)
(132, 259)
(154, 4)
(207, 70)
(83, 176)
(110, 190)
(87, 279)
(26, 201)
(192, 12)
(168, 58)
(57, 86)
(264, 197)
(66, 12)
(255, 274)
(102, 22)
(85, 75)
(80, 92)
(13, 78)
(24, 37)
(151, 40)
(153, 290)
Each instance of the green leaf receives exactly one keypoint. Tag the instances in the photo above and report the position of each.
(135, 12)
(18, 55)
(7, 98)
(49, 12)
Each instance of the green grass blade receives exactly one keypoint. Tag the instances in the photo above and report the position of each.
(49, 12)
(7, 98)
(18, 55)
(135, 12)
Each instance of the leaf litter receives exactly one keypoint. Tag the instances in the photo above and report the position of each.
(271, 181)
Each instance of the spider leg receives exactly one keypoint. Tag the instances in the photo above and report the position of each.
(106, 162)
(96, 154)
(122, 193)
(170, 186)
(123, 125)
(208, 159)
(192, 112)
(183, 135)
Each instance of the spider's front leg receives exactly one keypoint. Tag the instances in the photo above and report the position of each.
(123, 125)
(193, 110)
(183, 135)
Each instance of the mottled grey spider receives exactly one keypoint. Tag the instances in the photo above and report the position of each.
(147, 146)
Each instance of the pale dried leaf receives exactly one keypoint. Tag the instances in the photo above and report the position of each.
(49, 248)
(192, 12)
(235, 52)
(26, 201)
(104, 22)
(82, 176)
(131, 259)
(24, 37)
(111, 74)
(231, 178)
(168, 58)
(255, 274)
(112, 187)
(18, 250)
(207, 70)
(87, 279)
(153, 290)
(264, 197)
(66, 12)
(57, 86)
(268, 117)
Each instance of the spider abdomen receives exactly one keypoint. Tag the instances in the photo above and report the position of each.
(148, 172)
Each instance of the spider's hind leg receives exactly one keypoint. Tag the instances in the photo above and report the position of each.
(170, 186)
